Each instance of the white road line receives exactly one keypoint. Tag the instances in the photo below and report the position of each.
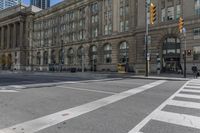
(197, 87)
(189, 90)
(188, 96)
(140, 125)
(8, 91)
(17, 86)
(53, 119)
(178, 119)
(196, 84)
(184, 104)
(129, 83)
(83, 89)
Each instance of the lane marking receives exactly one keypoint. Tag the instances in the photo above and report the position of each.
(8, 91)
(189, 90)
(83, 89)
(17, 86)
(56, 118)
(131, 83)
(184, 104)
(178, 119)
(140, 125)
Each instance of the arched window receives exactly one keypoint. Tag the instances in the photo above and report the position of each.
(38, 58)
(123, 52)
(107, 51)
(53, 57)
(93, 54)
(80, 54)
(45, 57)
(70, 56)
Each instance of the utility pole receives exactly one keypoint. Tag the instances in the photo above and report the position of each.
(146, 39)
(182, 29)
(185, 52)
(150, 7)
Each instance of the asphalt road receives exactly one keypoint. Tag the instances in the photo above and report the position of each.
(119, 105)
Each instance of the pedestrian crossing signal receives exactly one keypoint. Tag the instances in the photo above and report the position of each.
(189, 52)
(152, 13)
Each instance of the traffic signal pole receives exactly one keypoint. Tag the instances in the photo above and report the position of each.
(185, 53)
(146, 40)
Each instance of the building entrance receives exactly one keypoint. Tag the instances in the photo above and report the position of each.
(171, 56)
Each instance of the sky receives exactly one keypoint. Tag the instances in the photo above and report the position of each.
(52, 1)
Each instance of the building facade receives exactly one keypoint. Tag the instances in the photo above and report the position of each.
(15, 23)
(8, 3)
(97, 35)
(43, 4)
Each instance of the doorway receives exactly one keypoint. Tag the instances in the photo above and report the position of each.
(171, 55)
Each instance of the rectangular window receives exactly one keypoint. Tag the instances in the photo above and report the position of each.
(121, 26)
(106, 29)
(178, 11)
(126, 25)
(170, 13)
(196, 33)
(163, 15)
(196, 53)
(197, 7)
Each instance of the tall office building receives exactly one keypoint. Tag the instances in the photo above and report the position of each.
(43, 4)
(8, 3)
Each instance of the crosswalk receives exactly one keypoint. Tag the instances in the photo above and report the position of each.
(188, 93)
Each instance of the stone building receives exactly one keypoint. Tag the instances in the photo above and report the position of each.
(14, 37)
(100, 34)
(95, 34)
(166, 41)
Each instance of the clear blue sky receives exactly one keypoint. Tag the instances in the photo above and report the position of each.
(52, 1)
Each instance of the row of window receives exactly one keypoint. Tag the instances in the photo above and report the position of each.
(93, 54)
(73, 21)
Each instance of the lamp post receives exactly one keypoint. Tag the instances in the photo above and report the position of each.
(185, 54)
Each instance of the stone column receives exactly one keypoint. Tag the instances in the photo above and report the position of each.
(21, 33)
(14, 35)
(2, 37)
(8, 36)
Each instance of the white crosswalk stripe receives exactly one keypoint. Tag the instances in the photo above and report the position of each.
(180, 119)
(189, 90)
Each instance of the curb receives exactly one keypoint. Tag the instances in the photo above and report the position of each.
(160, 78)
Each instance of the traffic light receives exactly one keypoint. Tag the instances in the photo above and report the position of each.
(189, 52)
(152, 13)
(181, 24)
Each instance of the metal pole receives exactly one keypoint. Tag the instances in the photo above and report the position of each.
(146, 39)
(82, 50)
(185, 55)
